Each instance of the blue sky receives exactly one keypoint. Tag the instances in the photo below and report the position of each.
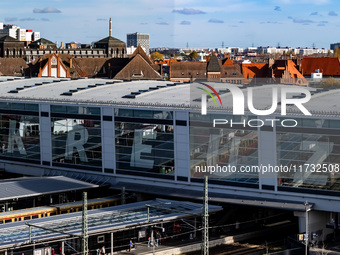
(176, 23)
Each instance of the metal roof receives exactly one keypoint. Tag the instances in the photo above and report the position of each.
(213, 196)
(35, 186)
(110, 219)
(93, 91)
(149, 93)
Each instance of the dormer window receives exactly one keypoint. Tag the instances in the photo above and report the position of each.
(137, 75)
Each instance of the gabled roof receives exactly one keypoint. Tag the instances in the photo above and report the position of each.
(281, 66)
(255, 70)
(293, 70)
(8, 39)
(13, 66)
(231, 71)
(213, 65)
(188, 66)
(110, 40)
(44, 41)
(139, 50)
(94, 67)
(138, 68)
(327, 66)
(227, 62)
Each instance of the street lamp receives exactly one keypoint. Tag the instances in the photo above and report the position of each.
(308, 208)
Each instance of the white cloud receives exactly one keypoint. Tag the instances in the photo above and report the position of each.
(215, 21)
(46, 10)
(189, 11)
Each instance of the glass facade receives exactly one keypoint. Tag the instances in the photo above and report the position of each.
(312, 154)
(76, 136)
(221, 151)
(20, 132)
(144, 144)
(144, 141)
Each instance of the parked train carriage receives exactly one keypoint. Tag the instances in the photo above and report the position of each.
(46, 211)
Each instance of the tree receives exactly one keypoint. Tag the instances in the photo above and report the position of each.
(193, 55)
(290, 52)
(156, 55)
(337, 52)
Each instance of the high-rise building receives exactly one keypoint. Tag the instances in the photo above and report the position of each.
(335, 45)
(136, 39)
(21, 34)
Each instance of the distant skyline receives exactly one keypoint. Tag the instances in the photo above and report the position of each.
(176, 23)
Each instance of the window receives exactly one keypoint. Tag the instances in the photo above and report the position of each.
(182, 73)
(234, 73)
(145, 142)
(20, 135)
(100, 239)
(223, 146)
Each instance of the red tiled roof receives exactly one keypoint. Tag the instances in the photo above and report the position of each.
(327, 66)
(293, 70)
(228, 62)
(257, 70)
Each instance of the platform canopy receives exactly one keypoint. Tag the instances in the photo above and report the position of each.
(36, 186)
(104, 220)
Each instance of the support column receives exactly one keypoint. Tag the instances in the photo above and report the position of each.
(111, 243)
(267, 156)
(195, 227)
(182, 146)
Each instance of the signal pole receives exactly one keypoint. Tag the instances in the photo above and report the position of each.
(123, 195)
(84, 225)
(205, 223)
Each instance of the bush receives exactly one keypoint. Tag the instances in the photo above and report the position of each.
(330, 82)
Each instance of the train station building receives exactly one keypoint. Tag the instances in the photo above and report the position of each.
(151, 137)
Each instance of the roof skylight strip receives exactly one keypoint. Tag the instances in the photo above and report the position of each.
(18, 89)
(90, 86)
(133, 95)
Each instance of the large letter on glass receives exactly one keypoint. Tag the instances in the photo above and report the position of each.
(72, 142)
(14, 137)
(139, 148)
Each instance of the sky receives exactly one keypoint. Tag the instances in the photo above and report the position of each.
(182, 23)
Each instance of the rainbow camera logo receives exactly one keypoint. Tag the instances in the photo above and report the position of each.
(204, 97)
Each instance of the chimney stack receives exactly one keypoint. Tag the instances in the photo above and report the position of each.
(110, 27)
